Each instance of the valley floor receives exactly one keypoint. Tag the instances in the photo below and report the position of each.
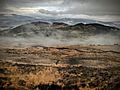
(93, 67)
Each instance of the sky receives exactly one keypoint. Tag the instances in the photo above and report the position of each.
(103, 10)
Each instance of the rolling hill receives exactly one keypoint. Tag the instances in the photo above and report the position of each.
(58, 33)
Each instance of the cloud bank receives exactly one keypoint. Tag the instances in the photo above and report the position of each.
(95, 8)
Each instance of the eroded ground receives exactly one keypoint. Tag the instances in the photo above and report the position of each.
(60, 68)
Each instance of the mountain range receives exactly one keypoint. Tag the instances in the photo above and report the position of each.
(60, 30)
(14, 20)
(50, 32)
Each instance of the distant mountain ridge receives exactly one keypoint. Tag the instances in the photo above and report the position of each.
(58, 28)
(13, 20)
(57, 33)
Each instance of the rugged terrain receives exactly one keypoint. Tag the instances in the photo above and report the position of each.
(58, 56)
(76, 67)
(58, 33)
(58, 29)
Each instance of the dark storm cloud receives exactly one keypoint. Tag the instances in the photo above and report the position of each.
(2, 5)
(94, 7)
(25, 3)
(88, 7)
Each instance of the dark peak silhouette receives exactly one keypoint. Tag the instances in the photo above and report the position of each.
(94, 25)
(79, 24)
(60, 23)
(40, 22)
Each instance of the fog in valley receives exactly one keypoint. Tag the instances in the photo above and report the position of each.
(52, 41)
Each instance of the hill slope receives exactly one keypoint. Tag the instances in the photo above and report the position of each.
(44, 33)
(47, 29)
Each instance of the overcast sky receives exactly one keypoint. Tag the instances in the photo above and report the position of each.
(104, 10)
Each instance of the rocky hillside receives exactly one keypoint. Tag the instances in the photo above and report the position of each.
(58, 33)
(59, 30)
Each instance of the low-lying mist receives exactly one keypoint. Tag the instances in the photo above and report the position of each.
(50, 41)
